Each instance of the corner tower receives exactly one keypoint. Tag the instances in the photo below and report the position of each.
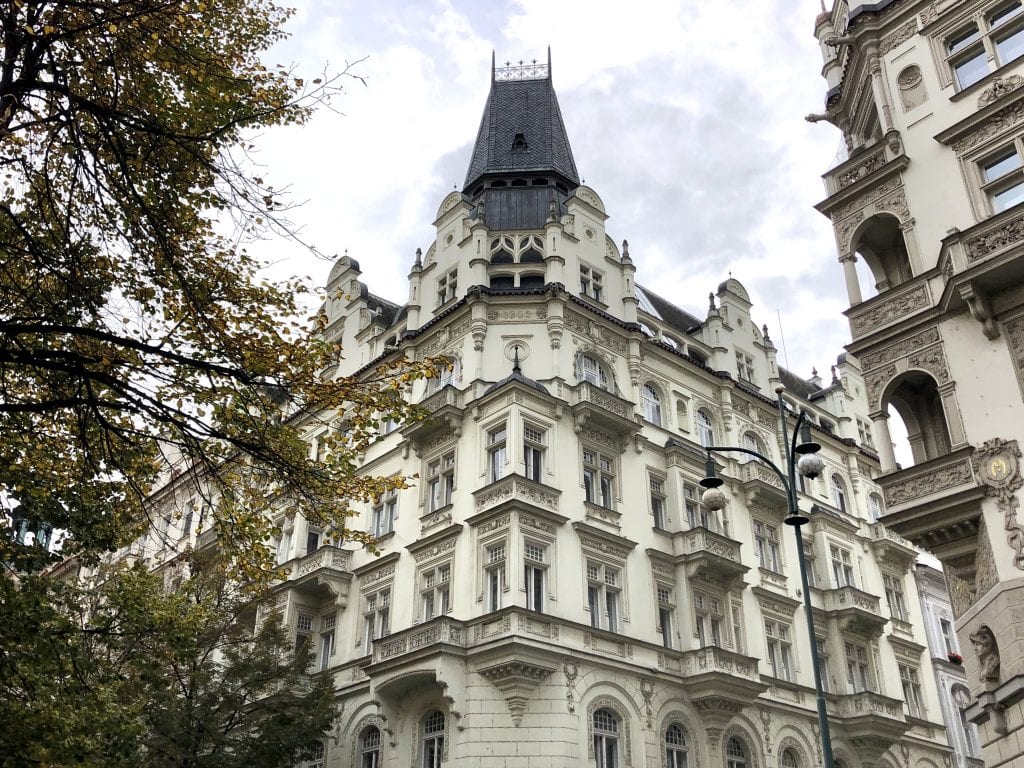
(522, 160)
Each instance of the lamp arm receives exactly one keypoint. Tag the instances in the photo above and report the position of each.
(763, 459)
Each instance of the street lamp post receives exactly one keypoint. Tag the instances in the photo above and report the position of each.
(800, 457)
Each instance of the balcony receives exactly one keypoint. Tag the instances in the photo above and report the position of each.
(762, 485)
(864, 167)
(516, 488)
(325, 573)
(425, 639)
(888, 308)
(856, 611)
(596, 408)
(871, 721)
(890, 547)
(720, 683)
(710, 556)
(936, 505)
(444, 413)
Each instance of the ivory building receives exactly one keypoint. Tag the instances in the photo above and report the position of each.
(551, 592)
(928, 96)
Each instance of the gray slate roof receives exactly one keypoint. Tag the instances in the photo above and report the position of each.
(529, 107)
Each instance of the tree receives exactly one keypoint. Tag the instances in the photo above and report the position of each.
(135, 331)
(129, 673)
(138, 340)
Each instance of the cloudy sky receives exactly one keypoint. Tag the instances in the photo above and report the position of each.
(685, 116)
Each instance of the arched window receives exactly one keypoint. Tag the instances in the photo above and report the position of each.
(875, 507)
(705, 430)
(606, 739)
(751, 442)
(651, 403)
(839, 493)
(880, 243)
(591, 370)
(735, 753)
(788, 759)
(675, 747)
(433, 739)
(369, 747)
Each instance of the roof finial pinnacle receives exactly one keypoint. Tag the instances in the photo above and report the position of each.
(493, 65)
(515, 360)
(419, 257)
(549, 64)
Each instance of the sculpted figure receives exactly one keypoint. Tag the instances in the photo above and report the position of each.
(985, 647)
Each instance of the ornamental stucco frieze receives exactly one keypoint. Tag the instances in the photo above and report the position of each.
(1010, 233)
(861, 201)
(872, 162)
(1001, 121)
(875, 382)
(929, 483)
(1015, 339)
(888, 309)
(898, 37)
(513, 315)
(1000, 87)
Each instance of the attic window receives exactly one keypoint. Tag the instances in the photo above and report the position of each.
(519, 143)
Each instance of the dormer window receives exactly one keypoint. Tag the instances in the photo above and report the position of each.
(519, 143)
(446, 287)
(590, 282)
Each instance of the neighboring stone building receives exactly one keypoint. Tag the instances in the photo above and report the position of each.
(947, 661)
(928, 96)
(551, 593)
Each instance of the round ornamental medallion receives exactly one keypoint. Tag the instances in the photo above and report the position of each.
(999, 468)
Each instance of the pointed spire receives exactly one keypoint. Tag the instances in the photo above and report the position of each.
(835, 378)
(625, 250)
(418, 264)
(515, 360)
(711, 302)
(764, 331)
(493, 67)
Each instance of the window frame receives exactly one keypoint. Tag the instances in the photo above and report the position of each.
(676, 754)
(837, 492)
(447, 287)
(977, 40)
(607, 740)
(666, 613)
(534, 451)
(376, 615)
(910, 683)
(383, 514)
(841, 565)
(767, 546)
(432, 743)
(328, 639)
(605, 598)
(860, 675)
(779, 648)
(650, 401)
(439, 482)
(435, 589)
(658, 497)
(704, 427)
(496, 448)
(593, 370)
(536, 572)
(599, 477)
(370, 754)
(895, 597)
(591, 283)
(745, 368)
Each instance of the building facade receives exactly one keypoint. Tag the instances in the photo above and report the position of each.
(551, 592)
(928, 97)
(936, 614)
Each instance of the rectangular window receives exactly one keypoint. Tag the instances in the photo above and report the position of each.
(780, 651)
(604, 595)
(599, 479)
(440, 481)
(535, 565)
(447, 286)
(911, 690)
(864, 433)
(327, 639)
(534, 439)
(894, 597)
(384, 513)
(826, 675)
(811, 563)
(766, 544)
(842, 567)
(377, 616)
(303, 630)
(657, 489)
(666, 608)
(998, 37)
(591, 283)
(737, 627)
(948, 636)
(494, 574)
(497, 453)
(858, 673)
(1003, 177)
(708, 619)
(435, 590)
(744, 367)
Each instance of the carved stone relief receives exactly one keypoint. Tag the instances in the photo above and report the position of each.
(997, 464)
(1010, 233)
(899, 349)
(875, 383)
(1000, 87)
(1003, 120)
(987, 651)
(928, 483)
(898, 37)
(985, 576)
(913, 92)
(1015, 339)
(889, 309)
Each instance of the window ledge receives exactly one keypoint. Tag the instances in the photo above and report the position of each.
(987, 80)
(592, 300)
(599, 514)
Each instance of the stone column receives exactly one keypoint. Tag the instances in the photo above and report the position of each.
(883, 441)
(849, 263)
